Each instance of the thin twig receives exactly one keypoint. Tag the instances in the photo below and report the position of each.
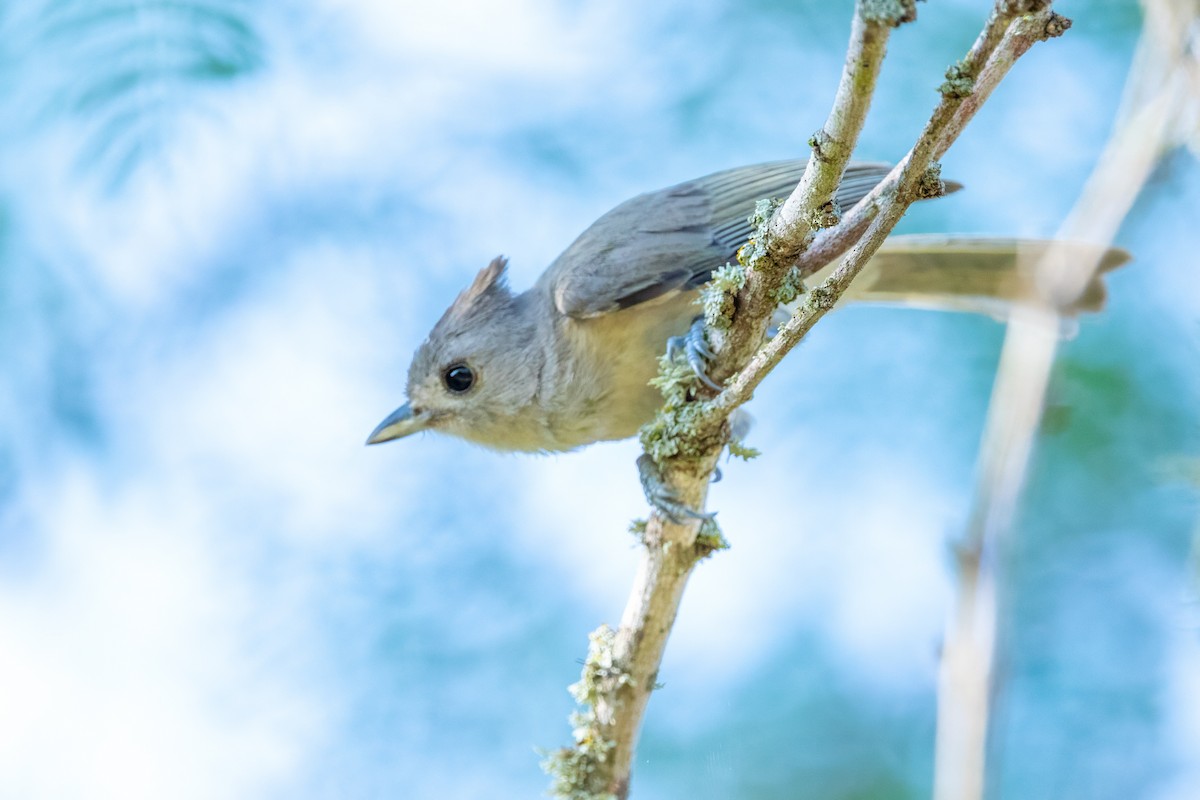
(982, 72)
(833, 145)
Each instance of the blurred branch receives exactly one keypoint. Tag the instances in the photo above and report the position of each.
(684, 442)
(1162, 105)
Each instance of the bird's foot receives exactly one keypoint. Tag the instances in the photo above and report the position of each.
(662, 497)
(693, 345)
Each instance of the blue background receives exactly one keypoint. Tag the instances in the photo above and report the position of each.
(224, 227)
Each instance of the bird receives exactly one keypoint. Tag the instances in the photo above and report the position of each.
(568, 362)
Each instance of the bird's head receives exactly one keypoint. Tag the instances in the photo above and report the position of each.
(476, 375)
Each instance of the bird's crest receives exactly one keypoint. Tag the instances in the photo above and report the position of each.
(487, 295)
(488, 287)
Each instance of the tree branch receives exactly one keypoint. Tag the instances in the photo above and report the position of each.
(811, 205)
(969, 83)
(874, 217)
(688, 436)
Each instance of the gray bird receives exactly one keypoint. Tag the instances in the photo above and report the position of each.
(567, 362)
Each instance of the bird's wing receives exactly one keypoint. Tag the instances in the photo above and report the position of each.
(665, 242)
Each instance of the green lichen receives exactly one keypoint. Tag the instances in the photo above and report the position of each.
(960, 81)
(790, 288)
(888, 12)
(764, 209)
(931, 184)
(739, 450)
(673, 432)
(710, 539)
(720, 293)
(574, 776)
(575, 771)
(638, 529)
(755, 250)
(820, 298)
(675, 380)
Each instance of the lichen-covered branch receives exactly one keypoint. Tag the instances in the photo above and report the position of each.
(692, 430)
(811, 206)
(622, 667)
(577, 771)
(968, 84)
(874, 217)
(821, 299)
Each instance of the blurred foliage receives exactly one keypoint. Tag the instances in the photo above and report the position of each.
(129, 71)
(840, 739)
(411, 641)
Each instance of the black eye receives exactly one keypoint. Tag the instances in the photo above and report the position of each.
(458, 378)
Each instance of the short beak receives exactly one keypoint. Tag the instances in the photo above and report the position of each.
(399, 423)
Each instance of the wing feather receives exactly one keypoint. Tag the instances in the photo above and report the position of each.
(670, 240)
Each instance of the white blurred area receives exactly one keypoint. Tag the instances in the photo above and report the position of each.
(220, 593)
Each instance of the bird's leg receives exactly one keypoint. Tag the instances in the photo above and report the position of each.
(661, 496)
(694, 347)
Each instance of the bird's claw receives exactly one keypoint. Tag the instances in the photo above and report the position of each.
(693, 345)
(662, 497)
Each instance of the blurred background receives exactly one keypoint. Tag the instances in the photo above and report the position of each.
(224, 227)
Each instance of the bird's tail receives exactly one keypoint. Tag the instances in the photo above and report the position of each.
(976, 274)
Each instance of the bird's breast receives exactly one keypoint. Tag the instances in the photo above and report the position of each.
(605, 369)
